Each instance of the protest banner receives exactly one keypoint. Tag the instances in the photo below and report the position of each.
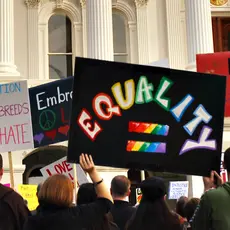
(15, 114)
(62, 167)
(29, 193)
(178, 189)
(50, 108)
(162, 119)
(216, 63)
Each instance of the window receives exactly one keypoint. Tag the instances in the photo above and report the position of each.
(120, 38)
(60, 47)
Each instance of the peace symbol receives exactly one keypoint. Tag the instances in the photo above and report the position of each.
(47, 120)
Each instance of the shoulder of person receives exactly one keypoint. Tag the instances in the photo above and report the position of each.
(214, 192)
(14, 197)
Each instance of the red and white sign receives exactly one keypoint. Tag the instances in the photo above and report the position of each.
(223, 172)
(63, 167)
(15, 117)
(216, 63)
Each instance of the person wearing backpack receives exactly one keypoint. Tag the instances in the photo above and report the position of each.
(13, 211)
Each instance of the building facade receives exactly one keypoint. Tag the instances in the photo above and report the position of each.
(40, 39)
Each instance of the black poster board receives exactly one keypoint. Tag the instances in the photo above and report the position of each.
(159, 119)
(50, 109)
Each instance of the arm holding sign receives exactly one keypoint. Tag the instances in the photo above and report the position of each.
(91, 213)
(87, 164)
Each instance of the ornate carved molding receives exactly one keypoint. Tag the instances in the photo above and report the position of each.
(32, 3)
(83, 3)
(59, 3)
(140, 3)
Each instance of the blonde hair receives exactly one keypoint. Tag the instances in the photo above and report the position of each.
(57, 190)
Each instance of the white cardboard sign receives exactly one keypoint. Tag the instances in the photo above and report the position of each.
(62, 167)
(164, 63)
(15, 117)
(178, 189)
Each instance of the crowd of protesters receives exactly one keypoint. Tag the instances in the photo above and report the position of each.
(97, 208)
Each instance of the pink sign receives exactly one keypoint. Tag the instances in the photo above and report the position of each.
(7, 185)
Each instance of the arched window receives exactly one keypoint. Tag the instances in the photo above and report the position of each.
(120, 37)
(60, 47)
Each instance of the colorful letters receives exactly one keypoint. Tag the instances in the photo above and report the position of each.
(179, 109)
(110, 108)
(164, 86)
(90, 131)
(144, 91)
(203, 142)
(201, 115)
(128, 101)
(144, 94)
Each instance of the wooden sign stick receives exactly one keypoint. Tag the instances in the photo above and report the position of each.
(142, 175)
(11, 170)
(75, 181)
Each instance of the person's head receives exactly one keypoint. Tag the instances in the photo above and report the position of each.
(153, 212)
(86, 194)
(56, 190)
(120, 187)
(190, 208)
(180, 205)
(226, 162)
(1, 166)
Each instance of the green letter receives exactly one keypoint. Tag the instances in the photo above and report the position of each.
(164, 86)
(144, 91)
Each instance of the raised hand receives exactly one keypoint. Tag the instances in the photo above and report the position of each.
(86, 162)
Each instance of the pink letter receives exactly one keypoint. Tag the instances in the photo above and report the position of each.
(203, 142)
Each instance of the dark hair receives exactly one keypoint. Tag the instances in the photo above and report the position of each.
(153, 215)
(190, 208)
(87, 194)
(120, 186)
(227, 159)
(180, 205)
(1, 162)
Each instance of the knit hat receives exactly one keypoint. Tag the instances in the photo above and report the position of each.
(153, 188)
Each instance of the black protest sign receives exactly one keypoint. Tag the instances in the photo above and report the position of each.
(143, 117)
(50, 109)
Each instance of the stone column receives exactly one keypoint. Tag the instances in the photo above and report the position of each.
(176, 38)
(99, 29)
(142, 31)
(84, 22)
(33, 50)
(8, 68)
(133, 43)
(199, 30)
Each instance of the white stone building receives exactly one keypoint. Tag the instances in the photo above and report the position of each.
(39, 40)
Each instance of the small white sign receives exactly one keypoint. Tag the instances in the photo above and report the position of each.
(15, 117)
(178, 189)
(62, 167)
(161, 63)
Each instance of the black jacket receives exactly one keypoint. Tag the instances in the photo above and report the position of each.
(75, 218)
(122, 211)
(13, 211)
